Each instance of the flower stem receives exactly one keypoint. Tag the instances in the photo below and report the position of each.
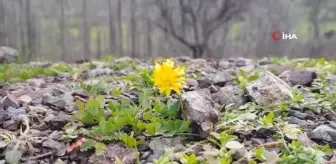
(180, 102)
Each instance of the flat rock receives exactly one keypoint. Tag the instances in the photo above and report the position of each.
(8, 55)
(299, 77)
(325, 133)
(52, 144)
(200, 109)
(10, 101)
(58, 122)
(25, 99)
(302, 77)
(126, 155)
(230, 95)
(4, 116)
(16, 112)
(36, 82)
(269, 90)
(63, 103)
(220, 78)
(11, 125)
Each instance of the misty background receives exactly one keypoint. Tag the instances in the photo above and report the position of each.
(71, 30)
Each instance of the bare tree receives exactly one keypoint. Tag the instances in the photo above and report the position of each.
(99, 49)
(22, 27)
(2, 23)
(30, 35)
(86, 32)
(120, 29)
(112, 38)
(202, 17)
(62, 29)
(133, 25)
(314, 14)
(149, 37)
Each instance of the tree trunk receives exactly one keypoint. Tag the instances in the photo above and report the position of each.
(112, 39)
(29, 30)
(2, 24)
(197, 50)
(120, 29)
(86, 32)
(62, 30)
(22, 30)
(133, 28)
(99, 51)
(314, 18)
(149, 38)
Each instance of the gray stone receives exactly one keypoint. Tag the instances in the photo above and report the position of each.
(302, 77)
(57, 103)
(25, 99)
(324, 132)
(57, 122)
(241, 62)
(230, 95)
(64, 103)
(301, 115)
(16, 112)
(269, 90)
(302, 123)
(4, 116)
(52, 144)
(57, 92)
(8, 55)
(156, 155)
(191, 83)
(220, 78)
(126, 155)
(10, 101)
(306, 141)
(36, 82)
(199, 108)
(10, 125)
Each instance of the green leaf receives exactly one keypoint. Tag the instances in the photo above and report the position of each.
(88, 119)
(117, 93)
(269, 119)
(81, 111)
(153, 128)
(87, 145)
(224, 138)
(326, 149)
(100, 148)
(92, 107)
(253, 78)
(192, 159)
(129, 141)
(260, 154)
(13, 156)
(106, 128)
(283, 107)
(101, 100)
(141, 126)
(299, 97)
(242, 73)
(241, 79)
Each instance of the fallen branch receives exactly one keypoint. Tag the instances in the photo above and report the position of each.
(38, 156)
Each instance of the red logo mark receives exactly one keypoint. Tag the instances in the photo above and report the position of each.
(277, 35)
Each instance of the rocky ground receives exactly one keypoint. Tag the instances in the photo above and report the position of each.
(234, 111)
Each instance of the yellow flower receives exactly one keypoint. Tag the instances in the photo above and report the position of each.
(168, 78)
